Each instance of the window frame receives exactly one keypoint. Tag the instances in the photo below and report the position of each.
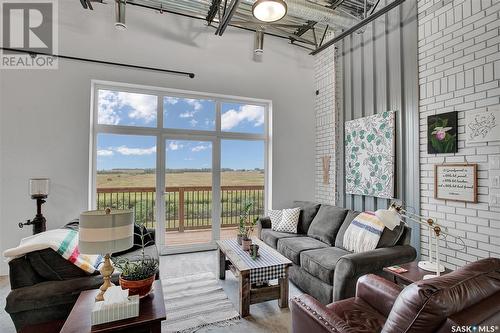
(163, 134)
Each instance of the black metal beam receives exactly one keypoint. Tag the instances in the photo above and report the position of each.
(102, 62)
(357, 26)
(227, 18)
(304, 28)
(212, 11)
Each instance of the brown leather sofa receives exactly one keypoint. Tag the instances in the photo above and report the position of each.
(467, 297)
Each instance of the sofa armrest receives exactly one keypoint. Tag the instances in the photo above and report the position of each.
(378, 292)
(351, 266)
(263, 223)
(309, 315)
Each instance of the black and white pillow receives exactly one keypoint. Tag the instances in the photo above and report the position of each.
(289, 220)
(275, 216)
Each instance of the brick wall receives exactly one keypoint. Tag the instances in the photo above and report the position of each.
(325, 122)
(459, 70)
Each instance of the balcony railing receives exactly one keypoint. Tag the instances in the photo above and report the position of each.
(186, 208)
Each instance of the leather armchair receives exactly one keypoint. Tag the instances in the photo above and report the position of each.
(468, 296)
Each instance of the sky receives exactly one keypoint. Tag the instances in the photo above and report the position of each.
(133, 151)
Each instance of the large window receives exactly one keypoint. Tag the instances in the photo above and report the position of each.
(207, 153)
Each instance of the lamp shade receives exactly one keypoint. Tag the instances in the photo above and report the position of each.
(389, 217)
(269, 10)
(39, 187)
(102, 232)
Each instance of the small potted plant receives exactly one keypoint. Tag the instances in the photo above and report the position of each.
(243, 221)
(138, 273)
(246, 241)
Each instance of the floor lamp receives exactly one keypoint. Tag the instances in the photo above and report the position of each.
(393, 216)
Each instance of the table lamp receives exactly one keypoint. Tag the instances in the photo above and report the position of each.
(106, 232)
(393, 216)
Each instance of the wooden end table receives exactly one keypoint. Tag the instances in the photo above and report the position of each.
(414, 273)
(151, 314)
(250, 271)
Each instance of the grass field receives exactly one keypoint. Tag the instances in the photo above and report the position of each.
(142, 179)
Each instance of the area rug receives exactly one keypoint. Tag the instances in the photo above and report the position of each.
(196, 301)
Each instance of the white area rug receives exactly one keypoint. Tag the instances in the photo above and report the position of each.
(196, 301)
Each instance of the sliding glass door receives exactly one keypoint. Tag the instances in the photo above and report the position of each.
(187, 163)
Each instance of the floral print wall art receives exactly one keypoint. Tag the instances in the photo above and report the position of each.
(442, 133)
(370, 155)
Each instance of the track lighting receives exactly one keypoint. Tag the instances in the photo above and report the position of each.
(269, 10)
(120, 15)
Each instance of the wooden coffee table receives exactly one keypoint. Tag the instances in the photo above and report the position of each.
(414, 273)
(270, 265)
(151, 314)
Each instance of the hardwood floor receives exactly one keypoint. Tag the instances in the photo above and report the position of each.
(189, 237)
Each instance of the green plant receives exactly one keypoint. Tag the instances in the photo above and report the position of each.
(144, 265)
(440, 138)
(242, 223)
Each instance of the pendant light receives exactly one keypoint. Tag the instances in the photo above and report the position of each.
(269, 10)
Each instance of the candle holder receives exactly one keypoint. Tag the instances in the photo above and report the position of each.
(39, 191)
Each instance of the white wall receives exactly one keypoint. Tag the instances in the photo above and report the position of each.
(45, 113)
(459, 70)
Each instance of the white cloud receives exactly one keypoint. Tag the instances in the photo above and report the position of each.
(174, 146)
(187, 114)
(193, 122)
(250, 113)
(142, 106)
(124, 150)
(171, 100)
(195, 103)
(105, 152)
(199, 148)
(107, 104)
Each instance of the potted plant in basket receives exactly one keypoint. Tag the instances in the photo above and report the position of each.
(138, 273)
(243, 221)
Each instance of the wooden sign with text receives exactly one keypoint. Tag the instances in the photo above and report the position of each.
(457, 182)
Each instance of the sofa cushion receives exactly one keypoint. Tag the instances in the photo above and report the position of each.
(339, 240)
(308, 211)
(271, 237)
(326, 223)
(390, 238)
(321, 262)
(292, 247)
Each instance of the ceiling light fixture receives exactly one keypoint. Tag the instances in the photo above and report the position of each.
(120, 15)
(269, 10)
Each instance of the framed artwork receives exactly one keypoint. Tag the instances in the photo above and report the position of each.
(482, 126)
(442, 135)
(370, 155)
(457, 182)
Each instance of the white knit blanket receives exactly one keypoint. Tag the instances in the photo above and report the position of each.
(363, 233)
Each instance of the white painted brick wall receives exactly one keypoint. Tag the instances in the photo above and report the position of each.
(325, 122)
(459, 70)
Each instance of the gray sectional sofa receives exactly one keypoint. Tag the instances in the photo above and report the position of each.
(322, 267)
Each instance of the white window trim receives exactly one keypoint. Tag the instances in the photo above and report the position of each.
(163, 134)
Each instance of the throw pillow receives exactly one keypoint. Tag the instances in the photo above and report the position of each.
(289, 220)
(275, 216)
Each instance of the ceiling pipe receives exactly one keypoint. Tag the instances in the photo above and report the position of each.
(120, 15)
(313, 12)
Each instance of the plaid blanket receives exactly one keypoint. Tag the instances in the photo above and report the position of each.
(63, 241)
(363, 233)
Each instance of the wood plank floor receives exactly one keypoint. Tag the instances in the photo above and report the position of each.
(189, 237)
